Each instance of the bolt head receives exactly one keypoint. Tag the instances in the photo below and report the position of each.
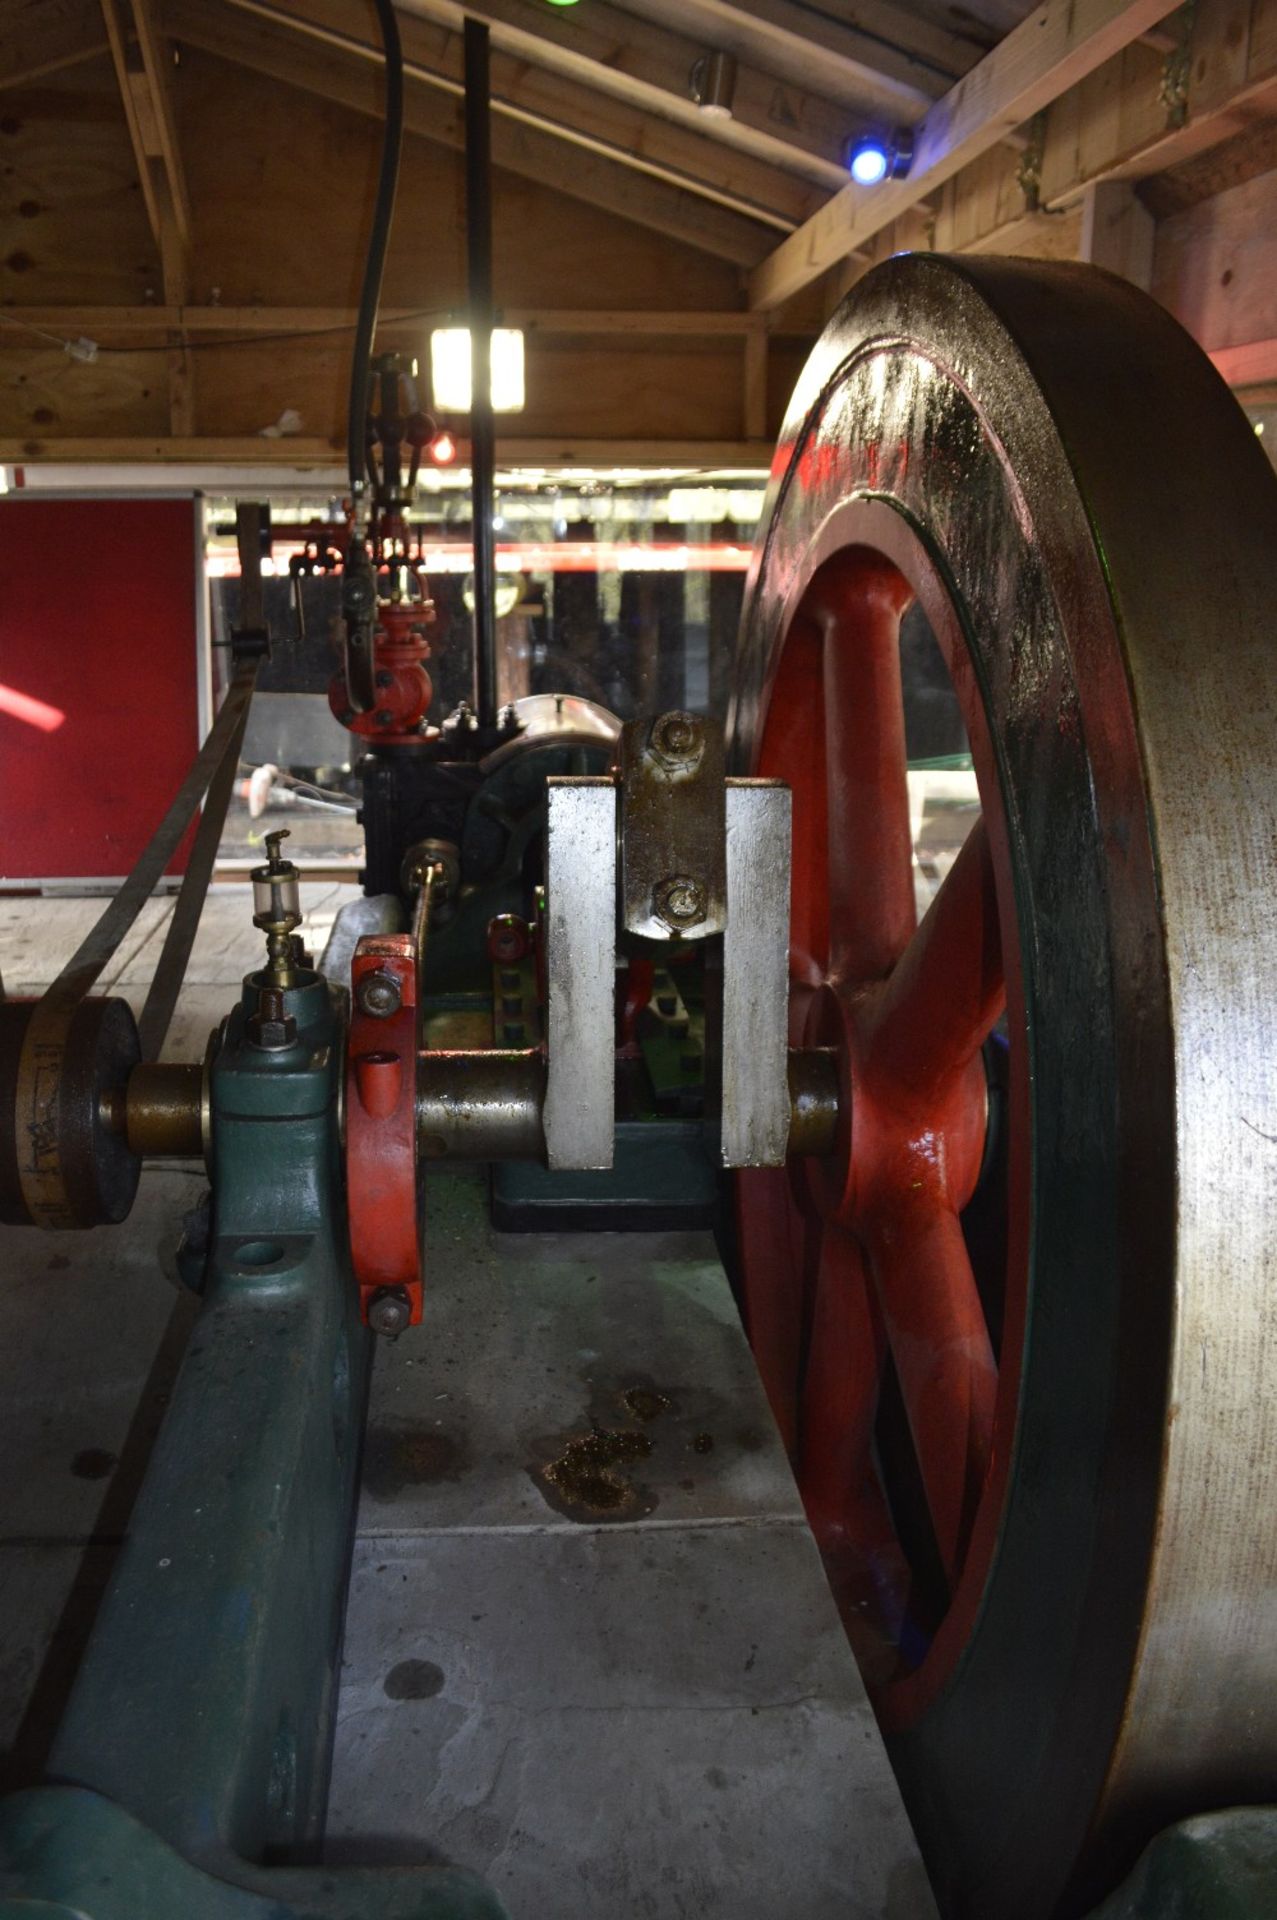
(677, 739)
(507, 938)
(389, 1312)
(679, 901)
(379, 994)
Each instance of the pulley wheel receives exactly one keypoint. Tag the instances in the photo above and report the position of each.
(63, 1163)
(1020, 1327)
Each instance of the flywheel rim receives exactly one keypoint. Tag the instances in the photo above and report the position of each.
(1093, 401)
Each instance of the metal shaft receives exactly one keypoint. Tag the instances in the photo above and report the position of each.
(482, 435)
(481, 1106)
(490, 1104)
(163, 1109)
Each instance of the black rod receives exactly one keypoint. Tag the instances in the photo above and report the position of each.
(482, 434)
(370, 293)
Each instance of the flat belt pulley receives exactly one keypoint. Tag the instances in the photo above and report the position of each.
(62, 1161)
(1026, 1372)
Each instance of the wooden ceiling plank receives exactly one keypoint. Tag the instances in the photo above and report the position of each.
(284, 55)
(633, 59)
(1060, 42)
(622, 132)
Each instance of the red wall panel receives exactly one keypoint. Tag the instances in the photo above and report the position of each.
(99, 703)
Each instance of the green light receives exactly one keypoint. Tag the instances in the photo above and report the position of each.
(560, 3)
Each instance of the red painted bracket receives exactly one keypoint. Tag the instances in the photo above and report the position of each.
(382, 1196)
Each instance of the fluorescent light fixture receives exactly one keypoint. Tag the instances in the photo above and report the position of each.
(450, 369)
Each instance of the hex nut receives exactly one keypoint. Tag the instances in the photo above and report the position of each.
(270, 1027)
(389, 1312)
(379, 994)
(508, 938)
(679, 901)
(677, 740)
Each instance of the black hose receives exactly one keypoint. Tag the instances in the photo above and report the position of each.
(370, 296)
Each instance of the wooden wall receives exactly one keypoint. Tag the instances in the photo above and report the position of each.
(281, 187)
(280, 183)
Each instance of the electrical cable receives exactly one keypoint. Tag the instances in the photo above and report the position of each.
(383, 208)
(270, 339)
(26, 327)
(282, 336)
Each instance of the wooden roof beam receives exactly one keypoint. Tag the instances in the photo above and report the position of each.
(152, 322)
(310, 452)
(631, 58)
(684, 157)
(433, 110)
(888, 56)
(41, 37)
(142, 71)
(140, 55)
(1058, 44)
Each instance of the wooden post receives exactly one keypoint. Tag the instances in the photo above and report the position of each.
(1118, 231)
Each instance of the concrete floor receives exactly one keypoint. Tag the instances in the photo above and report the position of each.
(632, 1711)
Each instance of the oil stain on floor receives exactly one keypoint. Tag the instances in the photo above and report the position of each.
(589, 1474)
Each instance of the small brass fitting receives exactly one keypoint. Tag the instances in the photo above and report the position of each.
(277, 900)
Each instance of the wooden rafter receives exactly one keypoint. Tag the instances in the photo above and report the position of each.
(1059, 43)
(42, 37)
(630, 58)
(140, 56)
(548, 103)
(351, 76)
(902, 59)
(141, 67)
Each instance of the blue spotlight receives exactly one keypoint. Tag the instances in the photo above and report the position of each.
(870, 162)
(874, 158)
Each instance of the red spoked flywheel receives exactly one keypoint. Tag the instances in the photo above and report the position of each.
(1018, 1327)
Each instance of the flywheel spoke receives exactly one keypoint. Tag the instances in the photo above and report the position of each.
(870, 849)
(840, 1397)
(949, 988)
(940, 1343)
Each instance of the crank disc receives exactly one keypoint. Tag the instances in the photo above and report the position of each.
(1020, 1328)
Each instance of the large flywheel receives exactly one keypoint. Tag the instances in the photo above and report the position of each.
(1020, 1328)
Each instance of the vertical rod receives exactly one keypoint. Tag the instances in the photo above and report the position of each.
(482, 436)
